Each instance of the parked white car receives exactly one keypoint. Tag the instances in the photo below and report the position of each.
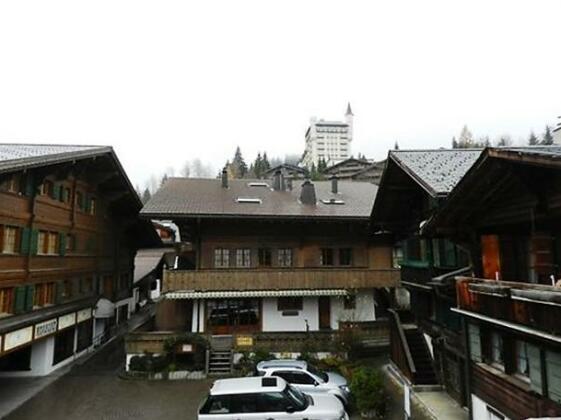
(306, 377)
(267, 398)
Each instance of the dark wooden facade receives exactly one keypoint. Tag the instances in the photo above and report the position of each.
(68, 234)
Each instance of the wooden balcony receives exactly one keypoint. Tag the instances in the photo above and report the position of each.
(276, 279)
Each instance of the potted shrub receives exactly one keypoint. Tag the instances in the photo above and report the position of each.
(367, 387)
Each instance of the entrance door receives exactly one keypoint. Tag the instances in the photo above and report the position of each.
(324, 304)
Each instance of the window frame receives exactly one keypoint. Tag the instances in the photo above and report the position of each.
(221, 258)
(243, 257)
(285, 257)
(347, 258)
(290, 303)
(15, 240)
(265, 257)
(327, 252)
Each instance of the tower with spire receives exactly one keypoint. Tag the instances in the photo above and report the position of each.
(328, 140)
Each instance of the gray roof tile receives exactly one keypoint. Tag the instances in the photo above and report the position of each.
(19, 156)
(437, 170)
(188, 197)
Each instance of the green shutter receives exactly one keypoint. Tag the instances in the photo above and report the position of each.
(61, 244)
(535, 362)
(553, 369)
(87, 203)
(474, 342)
(29, 294)
(24, 241)
(19, 300)
(29, 185)
(34, 241)
(58, 191)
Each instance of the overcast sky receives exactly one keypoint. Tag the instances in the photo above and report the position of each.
(166, 81)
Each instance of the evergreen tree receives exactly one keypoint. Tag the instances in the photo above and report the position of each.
(547, 136)
(314, 174)
(504, 141)
(322, 166)
(533, 140)
(146, 196)
(265, 166)
(396, 146)
(239, 165)
(258, 166)
(454, 143)
(164, 179)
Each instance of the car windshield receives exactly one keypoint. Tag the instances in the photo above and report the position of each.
(296, 397)
(322, 375)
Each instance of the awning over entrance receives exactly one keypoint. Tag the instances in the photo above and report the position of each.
(187, 294)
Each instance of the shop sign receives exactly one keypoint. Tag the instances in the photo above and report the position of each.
(66, 320)
(244, 341)
(18, 338)
(84, 315)
(45, 328)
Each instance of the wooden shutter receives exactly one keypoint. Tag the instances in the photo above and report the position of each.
(535, 364)
(19, 300)
(474, 342)
(61, 244)
(553, 369)
(24, 242)
(490, 255)
(33, 241)
(29, 294)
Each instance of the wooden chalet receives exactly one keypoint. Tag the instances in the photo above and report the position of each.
(268, 258)
(426, 343)
(69, 229)
(507, 212)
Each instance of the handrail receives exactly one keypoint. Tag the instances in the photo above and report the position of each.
(403, 340)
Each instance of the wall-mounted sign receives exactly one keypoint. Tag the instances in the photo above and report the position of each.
(45, 328)
(244, 341)
(17, 338)
(66, 320)
(187, 348)
(83, 315)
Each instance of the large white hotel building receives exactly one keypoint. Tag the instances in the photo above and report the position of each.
(328, 140)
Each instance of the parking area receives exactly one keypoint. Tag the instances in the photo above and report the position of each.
(93, 391)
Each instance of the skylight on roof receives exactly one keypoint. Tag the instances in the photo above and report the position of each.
(248, 200)
(333, 201)
(257, 184)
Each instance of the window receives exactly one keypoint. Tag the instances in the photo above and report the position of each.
(497, 350)
(44, 294)
(221, 258)
(243, 257)
(47, 243)
(265, 259)
(553, 371)
(92, 206)
(302, 378)
(48, 188)
(6, 300)
(289, 303)
(67, 289)
(285, 257)
(345, 256)
(11, 184)
(494, 414)
(326, 256)
(349, 302)
(66, 194)
(522, 362)
(9, 239)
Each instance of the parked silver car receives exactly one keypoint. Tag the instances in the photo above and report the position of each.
(266, 398)
(306, 377)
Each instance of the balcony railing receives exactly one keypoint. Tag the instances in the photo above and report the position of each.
(276, 279)
(533, 305)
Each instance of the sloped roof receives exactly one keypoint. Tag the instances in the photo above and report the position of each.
(22, 156)
(147, 260)
(438, 171)
(364, 162)
(188, 197)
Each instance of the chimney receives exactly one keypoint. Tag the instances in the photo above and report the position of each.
(224, 178)
(277, 180)
(289, 184)
(334, 184)
(308, 193)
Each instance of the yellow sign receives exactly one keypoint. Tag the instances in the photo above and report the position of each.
(244, 341)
